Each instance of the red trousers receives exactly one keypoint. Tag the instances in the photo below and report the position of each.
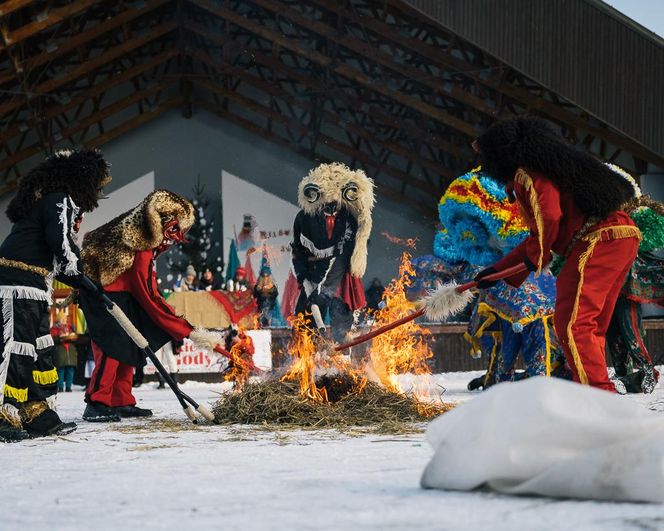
(587, 289)
(111, 381)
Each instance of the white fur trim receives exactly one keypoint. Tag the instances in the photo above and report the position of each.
(10, 411)
(45, 342)
(24, 292)
(445, 301)
(71, 265)
(627, 177)
(327, 272)
(207, 339)
(318, 253)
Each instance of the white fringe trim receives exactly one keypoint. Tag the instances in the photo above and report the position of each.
(327, 272)
(45, 342)
(71, 265)
(7, 320)
(24, 292)
(20, 348)
(311, 247)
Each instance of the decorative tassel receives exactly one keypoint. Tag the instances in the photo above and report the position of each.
(525, 180)
(20, 395)
(45, 377)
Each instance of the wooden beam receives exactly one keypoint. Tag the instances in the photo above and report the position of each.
(345, 70)
(13, 5)
(269, 89)
(263, 133)
(54, 16)
(96, 90)
(89, 66)
(36, 148)
(372, 53)
(75, 41)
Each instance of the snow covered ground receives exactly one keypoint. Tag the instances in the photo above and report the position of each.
(160, 474)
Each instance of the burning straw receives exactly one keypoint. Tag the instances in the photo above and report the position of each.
(320, 391)
(278, 405)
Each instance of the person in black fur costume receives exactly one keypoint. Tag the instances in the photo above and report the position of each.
(572, 205)
(46, 211)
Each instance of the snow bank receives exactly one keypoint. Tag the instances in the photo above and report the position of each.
(549, 437)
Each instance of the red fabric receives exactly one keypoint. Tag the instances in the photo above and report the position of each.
(290, 297)
(250, 276)
(330, 221)
(351, 292)
(141, 282)
(238, 304)
(603, 277)
(111, 381)
(561, 220)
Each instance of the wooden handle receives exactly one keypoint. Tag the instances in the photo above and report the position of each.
(498, 275)
(381, 330)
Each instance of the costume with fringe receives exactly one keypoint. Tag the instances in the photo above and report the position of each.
(330, 237)
(120, 256)
(47, 210)
(644, 284)
(571, 203)
(479, 224)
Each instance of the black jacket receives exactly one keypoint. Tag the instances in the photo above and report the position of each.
(44, 239)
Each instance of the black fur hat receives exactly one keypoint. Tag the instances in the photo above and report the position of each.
(79, 174)
(531, 143)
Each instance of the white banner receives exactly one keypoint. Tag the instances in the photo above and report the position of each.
(192, 359)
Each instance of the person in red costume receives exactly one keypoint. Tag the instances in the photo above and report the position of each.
(120, 256)
(572, 204)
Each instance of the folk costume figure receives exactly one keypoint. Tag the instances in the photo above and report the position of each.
(46, 211)
(644, 284)
(480, 225)
(572, 206)
(120, 256)
(330, 237)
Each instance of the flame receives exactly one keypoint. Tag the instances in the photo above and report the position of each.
(241, 361)
(403, 349)
(303, 369)
(410, 243)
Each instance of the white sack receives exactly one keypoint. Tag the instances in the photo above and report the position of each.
(550, 437)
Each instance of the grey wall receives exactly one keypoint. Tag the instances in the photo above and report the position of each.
(179, 149)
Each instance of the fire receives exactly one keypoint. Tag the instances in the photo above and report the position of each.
(309, 362)
(303, 348)
(403, 349)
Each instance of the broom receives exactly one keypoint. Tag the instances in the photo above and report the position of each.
(142, 343)
(443, 302)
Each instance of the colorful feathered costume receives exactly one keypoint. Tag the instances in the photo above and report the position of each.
(479, 225)
(330, 237)
(46, 212)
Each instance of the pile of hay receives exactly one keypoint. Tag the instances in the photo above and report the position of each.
(277, 405)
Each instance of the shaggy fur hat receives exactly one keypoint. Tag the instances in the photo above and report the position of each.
(531, 143)
(108, 251)
(79, 174)
(349, 189)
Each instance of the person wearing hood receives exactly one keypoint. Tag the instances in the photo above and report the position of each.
(572, 205)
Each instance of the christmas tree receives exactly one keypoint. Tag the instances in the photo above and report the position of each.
(201, 250)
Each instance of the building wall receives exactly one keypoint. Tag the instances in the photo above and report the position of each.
(180, 150)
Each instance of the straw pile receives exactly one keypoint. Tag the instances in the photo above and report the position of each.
(277, 405)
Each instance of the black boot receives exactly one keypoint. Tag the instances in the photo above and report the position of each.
(41, 421)
(9, 433)
(97, 412)
(132, 411)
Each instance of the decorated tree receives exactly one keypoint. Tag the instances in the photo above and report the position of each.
(201, 251)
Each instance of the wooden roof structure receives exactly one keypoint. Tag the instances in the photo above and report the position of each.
(376, 84)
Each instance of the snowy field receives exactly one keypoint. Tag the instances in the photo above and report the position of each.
(152, 474)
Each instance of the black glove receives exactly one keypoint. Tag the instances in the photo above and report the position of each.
(485, 284)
